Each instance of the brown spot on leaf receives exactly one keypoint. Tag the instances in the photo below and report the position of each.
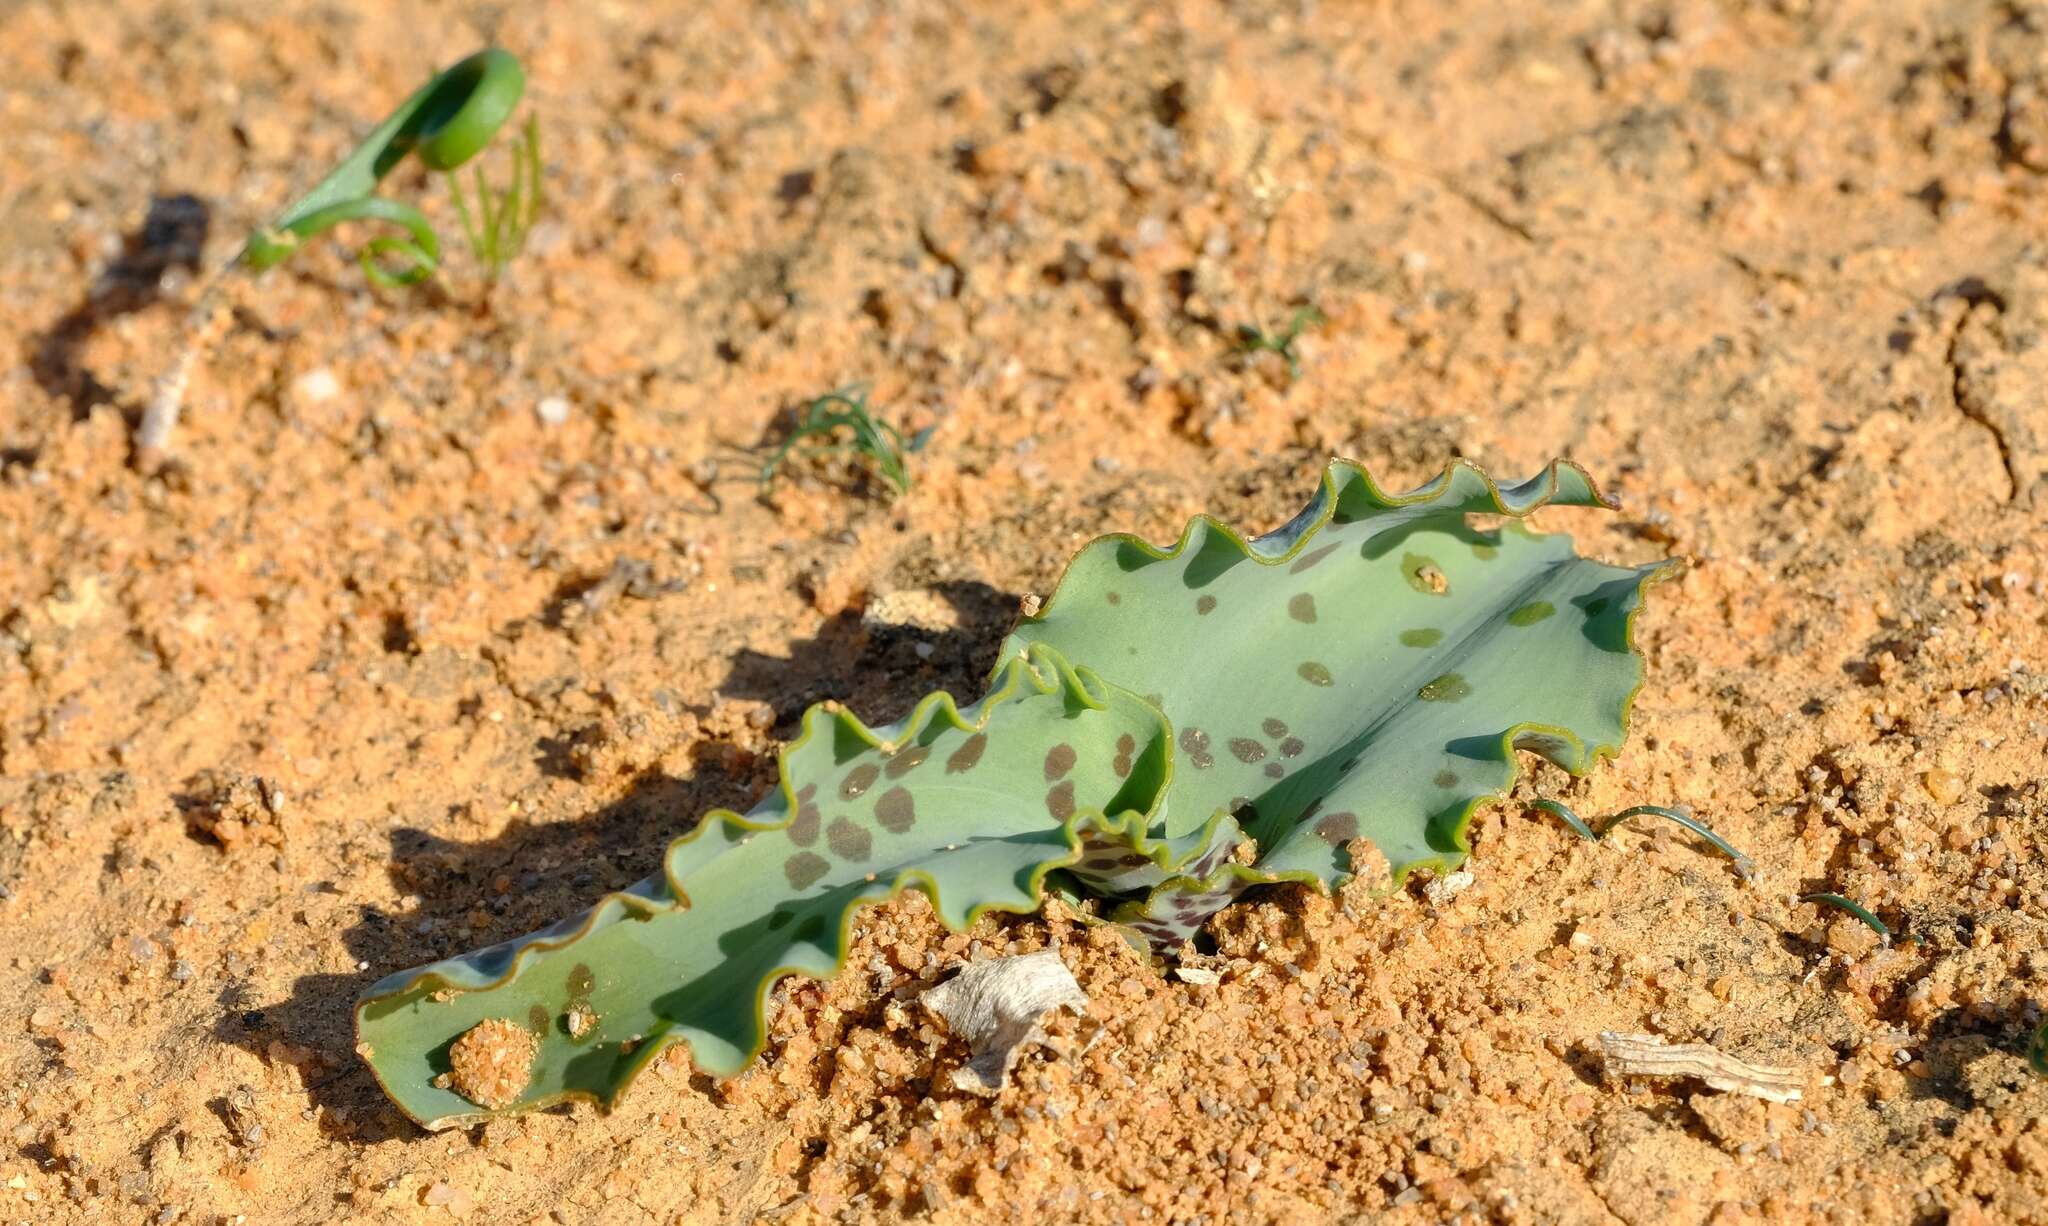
(803, 828)
(1246, 750)
(907, 761)
(1204, 604)
(1291, 747)
(1060, 800)
(804, 868)
(1448, 688)
(1337, 828)
(1058, 761)
(896, 810)
(859, 780)
(969, 753)
(1314, 673)
(1302, 607)
(1310, 558)
(849, 840)
(1274, 727)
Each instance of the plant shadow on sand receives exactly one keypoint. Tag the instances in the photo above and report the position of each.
(173, 235)
(463, 895)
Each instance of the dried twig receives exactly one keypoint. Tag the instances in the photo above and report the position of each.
(1647, 1055)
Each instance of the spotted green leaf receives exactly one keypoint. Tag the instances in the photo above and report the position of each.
(1238, 712)
(974, 807)
(1365, 671)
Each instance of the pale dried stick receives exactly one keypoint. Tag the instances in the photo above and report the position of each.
(1647, 1055)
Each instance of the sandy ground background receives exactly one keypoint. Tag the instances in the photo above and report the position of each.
(387, 665)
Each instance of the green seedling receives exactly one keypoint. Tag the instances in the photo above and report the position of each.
(1252, 338)
(446, 123)
(1599, 828)
(864, 434)
(1172, 728)
(1843, 903)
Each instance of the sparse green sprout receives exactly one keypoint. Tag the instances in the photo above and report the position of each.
(1172, 728)
(1842, 903)
(446, 122)
(1252, 338)
(1599, 827)
(497, 230)
(864, 434)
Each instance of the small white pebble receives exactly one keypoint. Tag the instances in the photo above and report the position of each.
(1443, 889)
(316, 386)
(552, 411)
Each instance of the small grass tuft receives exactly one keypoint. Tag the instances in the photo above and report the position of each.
(497, 230)
(1252, 339)
(846, 410)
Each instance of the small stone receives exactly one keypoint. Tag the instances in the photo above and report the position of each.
(1944, 785)
(316, 386)
(552, 411)
(442, 1194)
(1441, 890)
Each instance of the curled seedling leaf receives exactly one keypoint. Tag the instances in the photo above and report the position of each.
(446, 122)
(1599, 828)
(1171, 728)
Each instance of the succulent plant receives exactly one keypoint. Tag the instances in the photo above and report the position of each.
(1170, 729)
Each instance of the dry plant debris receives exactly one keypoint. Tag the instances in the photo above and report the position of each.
(999, 1007)
(1648, 1055)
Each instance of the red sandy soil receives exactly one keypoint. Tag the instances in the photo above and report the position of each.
(386, 666)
